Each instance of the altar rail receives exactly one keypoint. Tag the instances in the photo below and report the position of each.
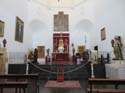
(75, 75)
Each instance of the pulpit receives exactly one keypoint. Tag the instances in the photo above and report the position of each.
(60, 58)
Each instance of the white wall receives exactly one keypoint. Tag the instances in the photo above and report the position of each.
(85, 21)
(109, 14)
(43, 17)
(8, 12)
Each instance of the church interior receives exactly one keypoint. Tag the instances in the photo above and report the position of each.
(57, 46)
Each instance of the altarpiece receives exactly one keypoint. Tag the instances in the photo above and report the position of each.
(61, 38)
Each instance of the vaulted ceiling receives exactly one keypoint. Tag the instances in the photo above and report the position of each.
(59, 3)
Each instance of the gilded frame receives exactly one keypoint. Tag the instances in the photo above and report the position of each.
(19, 30)
(41, 51)
(103, 34)
(81, 48)
(2, 28)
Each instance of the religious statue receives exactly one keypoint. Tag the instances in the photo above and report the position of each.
(35, 55)
(48, 50)
(116, 44)
(30, 56)
(61, 45)
(25, 58)
(73, 49)
(4, 43)
(47, 56)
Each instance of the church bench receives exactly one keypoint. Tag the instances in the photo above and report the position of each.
(17, 77)
(93, 90)
(105, 81)
(16, 85)
(106, 90)
(111, 91)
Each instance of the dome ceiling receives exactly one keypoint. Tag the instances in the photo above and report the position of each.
(60, 3)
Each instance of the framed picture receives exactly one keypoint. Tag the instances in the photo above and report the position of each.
(61, 22)
(1, 28)
(19, 30)
(103, 34)
(41, 51)
(81, 49)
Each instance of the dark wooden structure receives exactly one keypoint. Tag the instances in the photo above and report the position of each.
(106, 81)
(60, 58)
(13, 81)
(16, 85)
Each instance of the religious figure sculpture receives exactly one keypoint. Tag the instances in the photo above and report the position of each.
(61, 46)
(48, 50)
(35, 55)
(30, 56)
(73, 49)
(116, 44)
(47, 56)
(4, 43)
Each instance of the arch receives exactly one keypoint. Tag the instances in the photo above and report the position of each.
(37, 25)
(40, 33)
(84, 25)
(82, 30)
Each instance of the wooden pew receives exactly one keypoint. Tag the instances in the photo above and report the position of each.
(19, 76)
(16, 85)
(22, 76)
(111, 91)
(105, 81)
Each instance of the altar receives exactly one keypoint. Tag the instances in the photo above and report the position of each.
(60, 48)
(60, 58)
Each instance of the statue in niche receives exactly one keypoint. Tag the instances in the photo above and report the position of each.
(61, 45)
(48, 50)
(116, 44)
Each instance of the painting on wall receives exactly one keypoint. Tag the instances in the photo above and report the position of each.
(41, 51)
(19, 30)
(1, 28)
(81, 49)
(103, 34)
(61, 22)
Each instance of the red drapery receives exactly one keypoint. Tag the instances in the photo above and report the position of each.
(65, 37)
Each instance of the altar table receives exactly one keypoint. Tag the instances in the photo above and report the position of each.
(60, 57)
